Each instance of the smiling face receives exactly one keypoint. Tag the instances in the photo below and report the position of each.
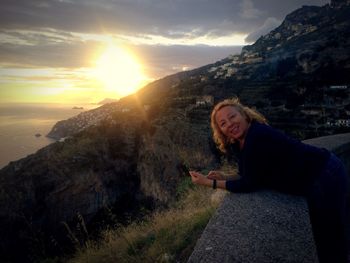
(232, 123)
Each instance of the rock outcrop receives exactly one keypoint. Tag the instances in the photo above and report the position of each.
(65, 128)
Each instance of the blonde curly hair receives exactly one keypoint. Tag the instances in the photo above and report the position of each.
(248, 113)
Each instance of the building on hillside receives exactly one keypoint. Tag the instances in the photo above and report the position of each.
(205, 100)
(339, 123)
(203, 79)
(313, 112)
(338, 87)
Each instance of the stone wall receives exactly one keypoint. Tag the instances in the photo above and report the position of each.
(265, 226)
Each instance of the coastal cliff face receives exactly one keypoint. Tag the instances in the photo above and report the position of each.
(297, 75)
(87, 172)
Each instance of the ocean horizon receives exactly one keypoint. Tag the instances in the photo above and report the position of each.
(21, 122)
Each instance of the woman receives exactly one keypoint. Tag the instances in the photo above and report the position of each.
(267, 158)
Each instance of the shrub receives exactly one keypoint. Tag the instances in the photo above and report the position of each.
(167, 236)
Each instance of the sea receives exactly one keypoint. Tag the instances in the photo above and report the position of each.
(21, 125)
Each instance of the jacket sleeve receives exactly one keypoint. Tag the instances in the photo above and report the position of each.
(248, 180)
(242, 185)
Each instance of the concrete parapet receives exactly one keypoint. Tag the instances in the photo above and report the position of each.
(259, 227)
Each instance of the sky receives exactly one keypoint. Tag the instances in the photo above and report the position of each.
(82, 51)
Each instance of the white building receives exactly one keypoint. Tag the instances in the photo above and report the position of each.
(205, 100)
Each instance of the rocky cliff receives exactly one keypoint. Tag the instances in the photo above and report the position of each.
(298, 75)
(87, 172)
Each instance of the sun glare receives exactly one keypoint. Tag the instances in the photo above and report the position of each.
(119, 71)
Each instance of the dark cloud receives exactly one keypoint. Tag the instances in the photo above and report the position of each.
(38, 50)
(150, 17)
(279, 9)
(170, 18)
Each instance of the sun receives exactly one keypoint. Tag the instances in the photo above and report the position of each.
(119, 71)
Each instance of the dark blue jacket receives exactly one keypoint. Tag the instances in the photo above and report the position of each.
(271, 159)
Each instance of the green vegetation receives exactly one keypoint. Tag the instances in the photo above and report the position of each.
(166, 236)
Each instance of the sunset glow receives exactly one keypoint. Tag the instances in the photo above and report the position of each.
(119, 71)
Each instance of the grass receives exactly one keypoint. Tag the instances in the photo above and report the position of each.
(194, 159)
(166, 236)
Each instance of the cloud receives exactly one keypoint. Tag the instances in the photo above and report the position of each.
(249, 11)
(165, 60)
(57, 49)
(164, 17)
(269, 24)
(69, 54)
(173, 19)
(37, 75)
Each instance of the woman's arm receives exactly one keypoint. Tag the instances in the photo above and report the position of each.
(215, 175)
(238, 186)
(200, 179)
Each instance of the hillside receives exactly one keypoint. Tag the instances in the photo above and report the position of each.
(297, 75)
(129, 154)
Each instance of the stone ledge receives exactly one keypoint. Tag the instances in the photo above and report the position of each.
(258, 227)
(339, 143)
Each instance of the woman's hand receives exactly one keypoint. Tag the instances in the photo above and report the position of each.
(198, 178)
(215, 175)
